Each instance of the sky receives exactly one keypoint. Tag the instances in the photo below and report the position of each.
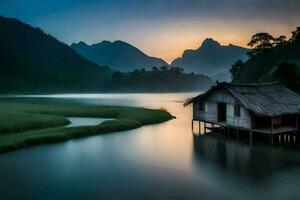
(161, 28)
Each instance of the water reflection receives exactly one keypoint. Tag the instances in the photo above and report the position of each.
(85, 121)
(256, 161)
(162, 161)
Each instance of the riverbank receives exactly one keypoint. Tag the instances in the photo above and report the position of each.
(28, 124)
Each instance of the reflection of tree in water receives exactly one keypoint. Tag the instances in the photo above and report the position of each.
(257, 161)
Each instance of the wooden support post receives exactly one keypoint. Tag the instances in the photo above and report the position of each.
(228, 133)
(297, 123)
(192, 125)
(199, 127)
(272, 139)
(250, 138)
(271, 126)
(237, 134)
(204, 127)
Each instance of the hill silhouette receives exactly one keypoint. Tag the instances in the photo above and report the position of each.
(32, 60)
(211, 58)
(118, 55)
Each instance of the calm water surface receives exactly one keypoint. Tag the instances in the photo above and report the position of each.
(163, 161)
(85, 121)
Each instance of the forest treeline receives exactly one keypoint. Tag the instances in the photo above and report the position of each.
(271, 59)
(158, 79)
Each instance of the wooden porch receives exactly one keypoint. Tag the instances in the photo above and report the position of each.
(271, 135)
(265, 130)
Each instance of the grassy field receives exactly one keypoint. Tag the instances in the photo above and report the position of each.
(27, 124)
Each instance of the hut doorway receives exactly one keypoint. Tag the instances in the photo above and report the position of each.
(221, 112)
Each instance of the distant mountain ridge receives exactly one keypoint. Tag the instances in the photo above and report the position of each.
(118, 55)
(211, 58)
(31, 60)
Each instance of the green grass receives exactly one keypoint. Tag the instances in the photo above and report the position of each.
(25, 124)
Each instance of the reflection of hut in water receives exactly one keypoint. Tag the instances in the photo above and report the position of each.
(257, 162)
(268, 108)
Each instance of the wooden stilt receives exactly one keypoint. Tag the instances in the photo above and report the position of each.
(228, 133)
(250, 138)
(272, 139)
(297, 123)
(199, 127)
(272, 126)
(192, 125)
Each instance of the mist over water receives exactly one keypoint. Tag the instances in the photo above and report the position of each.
(158, 161)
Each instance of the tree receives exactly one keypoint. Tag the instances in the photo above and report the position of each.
(154, 69)
(136, 72)
(143, 70)
(288, 73)
(261, 41)
(296, 34)
(236, 67)
(164, 68)
(117, 76)
(249, 53)
(177, 69)
(280, 40)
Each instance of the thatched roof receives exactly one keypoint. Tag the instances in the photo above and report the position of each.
(268, 99)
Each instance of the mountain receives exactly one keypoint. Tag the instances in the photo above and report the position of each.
(31, 60)
(211, 59)
(118, 55)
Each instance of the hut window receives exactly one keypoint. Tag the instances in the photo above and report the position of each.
(201, 106)
(237, 110)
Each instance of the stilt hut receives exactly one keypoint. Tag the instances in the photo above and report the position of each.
(268, 108)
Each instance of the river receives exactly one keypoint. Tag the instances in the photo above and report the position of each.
(162, 161)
